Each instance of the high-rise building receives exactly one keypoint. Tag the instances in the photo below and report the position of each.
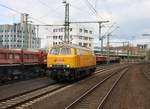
(78, 34)
(19, 35)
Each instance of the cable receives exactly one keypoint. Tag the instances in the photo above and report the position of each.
(10, 8)
(75, 7)
(19, 12)
(53, 10)
(108, 31)
(92, 8)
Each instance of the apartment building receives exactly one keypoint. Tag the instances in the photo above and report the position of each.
(78, 34)
(19, 35)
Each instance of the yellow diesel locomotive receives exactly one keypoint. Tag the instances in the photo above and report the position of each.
(69, 62)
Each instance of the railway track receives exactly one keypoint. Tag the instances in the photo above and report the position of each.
(92, 98)
(15, 81)
(34, 89)
(146, 75)
(146, 72)
(21, 98)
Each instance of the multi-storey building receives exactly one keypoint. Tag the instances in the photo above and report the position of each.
(78, 34)
(19, 35)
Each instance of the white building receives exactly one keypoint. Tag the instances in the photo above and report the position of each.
(79, 35)
(19, 35)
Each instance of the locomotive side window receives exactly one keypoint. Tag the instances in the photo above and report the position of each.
(65, 51)
(55, 51)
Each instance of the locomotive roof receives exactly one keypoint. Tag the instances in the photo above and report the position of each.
(72, 46)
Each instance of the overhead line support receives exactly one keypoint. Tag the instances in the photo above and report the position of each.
(100, 30)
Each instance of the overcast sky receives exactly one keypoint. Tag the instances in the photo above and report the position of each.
(132, 16)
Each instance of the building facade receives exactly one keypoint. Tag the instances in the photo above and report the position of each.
(78, 34)
(19, 35)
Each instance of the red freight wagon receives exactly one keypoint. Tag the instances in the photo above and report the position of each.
(101, 59)
(15, 63)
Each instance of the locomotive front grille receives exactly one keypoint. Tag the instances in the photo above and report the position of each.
(59, 66)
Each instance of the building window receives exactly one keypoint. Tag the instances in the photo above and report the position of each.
(59, 37)
(59, 29)
(80, 44)
(80, 30)
(54, 37)
(70, 29)
(85, 31)
(80, 37)
(85, 38)
(62, 29)
(90, 39)
(90, 32)
(89, 45)
(54, 30)
(85, 44)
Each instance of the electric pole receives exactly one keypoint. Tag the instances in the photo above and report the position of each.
(25, 21)
(101, 37)
(108, 40)
(108, 51)
(66, 36)
(128, 52)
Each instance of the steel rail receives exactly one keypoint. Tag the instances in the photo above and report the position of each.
(110, 90)
(29, 91)
(90, 90)
(11, 103)
(34, 94)
(22, 98)
(145, 75)
(42, 97)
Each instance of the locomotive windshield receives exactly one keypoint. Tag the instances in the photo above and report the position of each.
(63, 51)
(55, 51)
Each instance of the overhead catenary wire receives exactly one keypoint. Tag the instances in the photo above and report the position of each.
(50, 9)
(10, 8)
(16, 11)
(81, 10)
(108, 30)
(91, 7)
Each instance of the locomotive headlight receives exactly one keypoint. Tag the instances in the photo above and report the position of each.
(50, 65)
(68, 66)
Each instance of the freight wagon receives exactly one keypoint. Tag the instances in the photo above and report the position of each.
(20, 63)
(103, 59)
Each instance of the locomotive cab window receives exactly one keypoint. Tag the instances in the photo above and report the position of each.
(55, 51)
(61, 51)
(65, 51)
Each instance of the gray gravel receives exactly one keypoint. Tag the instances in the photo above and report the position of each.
(20, 87)
(64, 97)
(132, 92)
